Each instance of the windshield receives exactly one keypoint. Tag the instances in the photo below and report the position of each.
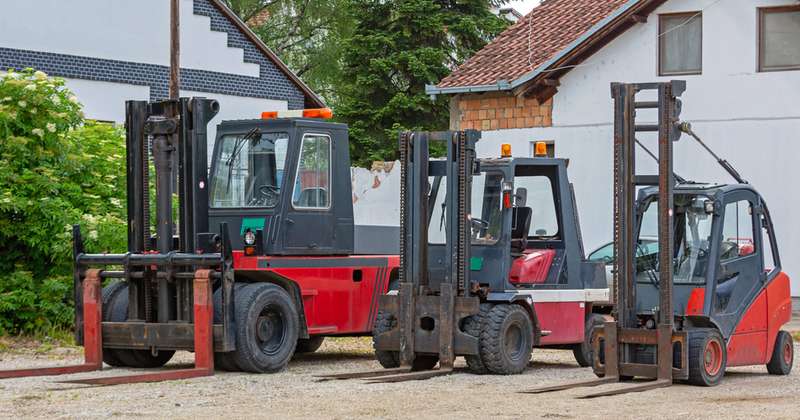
(248, 170)
(486, 216)
(692, 240)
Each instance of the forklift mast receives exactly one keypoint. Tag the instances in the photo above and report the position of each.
(440, 308)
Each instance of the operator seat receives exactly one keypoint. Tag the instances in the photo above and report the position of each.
(521, 223)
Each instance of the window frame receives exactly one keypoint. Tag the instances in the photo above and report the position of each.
(753, 227)
(213, 179)
(760, 46)
(661, 47)
(330, 172)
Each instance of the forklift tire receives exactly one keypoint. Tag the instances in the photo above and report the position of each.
(383, 323)
(267, 327)
(224, 361)
(117, 311)
(309, 345)
(109, 294)
(708, 356)
(583, 352)
(782, 355)
(506, 339)
(391, 359)
(472, 326)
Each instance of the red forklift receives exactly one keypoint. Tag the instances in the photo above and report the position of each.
(491, 264)
(259, 260)
(712, 295)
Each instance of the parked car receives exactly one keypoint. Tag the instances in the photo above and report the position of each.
(605, 253)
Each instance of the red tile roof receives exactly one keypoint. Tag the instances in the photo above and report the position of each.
(551, 27)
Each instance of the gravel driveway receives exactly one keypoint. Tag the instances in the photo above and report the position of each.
(745, 392)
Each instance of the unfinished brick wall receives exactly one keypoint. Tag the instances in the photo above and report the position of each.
(498, 111)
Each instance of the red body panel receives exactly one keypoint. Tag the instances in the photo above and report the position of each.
(754, 337)
(565, 320)
(334, 300)
(695, 304)
(532, 267)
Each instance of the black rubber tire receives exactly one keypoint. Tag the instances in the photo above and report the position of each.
(118, 312)
(699, 339)
(473, 326)
(109, 293)
(583, 352)
(499, 354)
(385, 322)
(778, 363)
(424, 362)
(250, 354)
(224, 361)
(309, 345)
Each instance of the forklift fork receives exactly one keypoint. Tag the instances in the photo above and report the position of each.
(93, 346)
(203, 342)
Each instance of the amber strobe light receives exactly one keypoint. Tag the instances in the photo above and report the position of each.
(540, 149)
(324, 113)
(505, 150)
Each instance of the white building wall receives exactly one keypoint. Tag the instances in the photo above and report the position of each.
(750, 118)
(105, 101)
(136, 31)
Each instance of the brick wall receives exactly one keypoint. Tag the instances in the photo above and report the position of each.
(498, 111)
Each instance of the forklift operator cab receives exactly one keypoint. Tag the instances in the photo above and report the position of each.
(725, 255)
(287, 178)
(523, 223)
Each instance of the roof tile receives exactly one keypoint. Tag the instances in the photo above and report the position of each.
(550, 27)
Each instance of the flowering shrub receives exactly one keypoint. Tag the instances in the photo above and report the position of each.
(55, 170)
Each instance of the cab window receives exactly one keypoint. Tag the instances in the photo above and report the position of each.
(248, 170)
(312, 181)
(737, 231)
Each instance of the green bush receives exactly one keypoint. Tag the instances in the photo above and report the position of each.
(56, 169)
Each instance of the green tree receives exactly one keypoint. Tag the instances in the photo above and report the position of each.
(307, 35)
(397, 47)
(55, 170)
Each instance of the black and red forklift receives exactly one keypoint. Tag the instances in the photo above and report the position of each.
(712, 294)
(258, 260)
(491, 264)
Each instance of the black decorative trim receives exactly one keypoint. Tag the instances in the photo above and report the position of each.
(272, 83)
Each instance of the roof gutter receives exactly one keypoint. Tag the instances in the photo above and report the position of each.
(503, 85)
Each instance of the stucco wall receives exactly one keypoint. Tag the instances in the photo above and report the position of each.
(750, 118)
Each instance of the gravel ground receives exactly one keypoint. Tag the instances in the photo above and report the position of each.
(745, 392)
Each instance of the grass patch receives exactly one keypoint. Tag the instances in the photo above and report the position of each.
(796, 335)
(39, 343)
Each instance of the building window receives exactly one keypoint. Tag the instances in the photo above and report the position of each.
(680, 44)
(779, 38)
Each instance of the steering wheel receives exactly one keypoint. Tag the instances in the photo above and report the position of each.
(700, 252)
(270, 194)
(478, 225)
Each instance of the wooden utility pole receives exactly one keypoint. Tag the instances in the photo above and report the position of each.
(175, 50)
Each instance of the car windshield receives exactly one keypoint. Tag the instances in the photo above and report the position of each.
(486, 216)
(248, 170)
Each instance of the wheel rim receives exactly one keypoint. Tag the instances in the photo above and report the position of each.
(712, 358)
(270, 330)
(788, 353)
(514, 342)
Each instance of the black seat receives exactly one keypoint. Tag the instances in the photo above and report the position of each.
(313, 197)
(521, 223)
